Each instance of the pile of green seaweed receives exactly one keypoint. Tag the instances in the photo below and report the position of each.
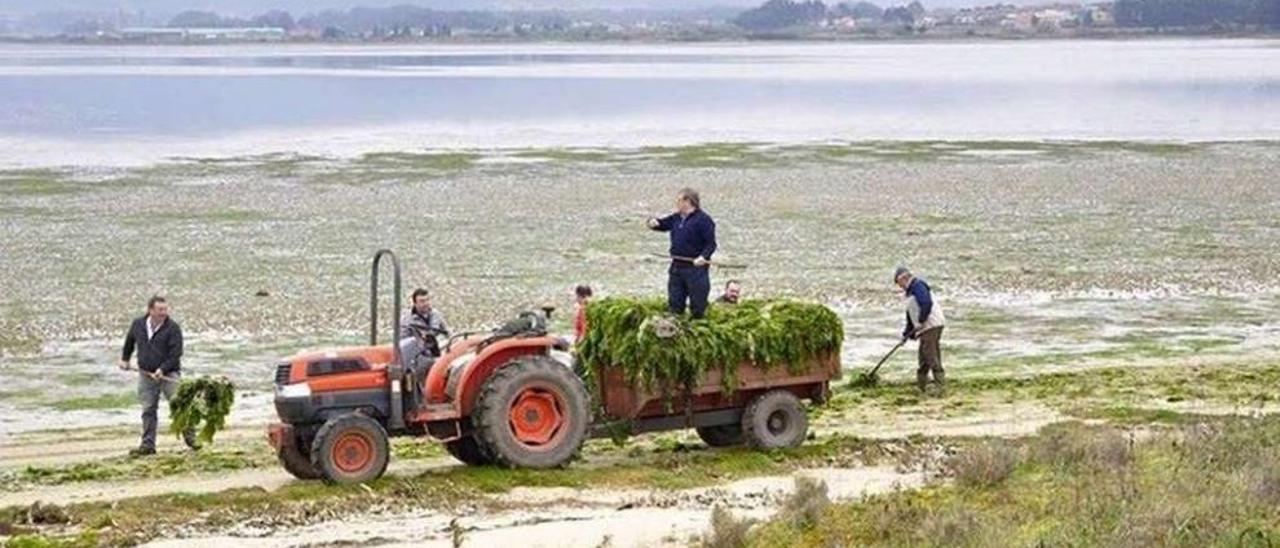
(202, 406)
(656, 349)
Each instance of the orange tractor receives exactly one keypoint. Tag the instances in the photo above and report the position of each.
(507, 396)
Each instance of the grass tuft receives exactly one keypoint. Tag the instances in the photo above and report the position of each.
(807, 502)
(726, 530)
(985, 465)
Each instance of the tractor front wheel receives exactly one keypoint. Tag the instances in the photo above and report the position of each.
(350, 448)
(532, 413)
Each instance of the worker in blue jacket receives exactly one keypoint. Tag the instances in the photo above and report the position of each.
(693, 241)
(924, 322)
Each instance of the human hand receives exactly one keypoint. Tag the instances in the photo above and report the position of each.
(699, 261)
(156, 374)
(652, 222)
(123, 364)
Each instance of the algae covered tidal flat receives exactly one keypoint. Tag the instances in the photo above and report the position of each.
(1047, 255)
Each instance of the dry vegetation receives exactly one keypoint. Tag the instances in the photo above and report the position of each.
(1202, 484)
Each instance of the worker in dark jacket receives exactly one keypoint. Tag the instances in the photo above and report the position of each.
(158, 341)
(924, 322)
(693, 241)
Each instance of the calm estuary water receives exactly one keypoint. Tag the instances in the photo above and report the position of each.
(64, 105)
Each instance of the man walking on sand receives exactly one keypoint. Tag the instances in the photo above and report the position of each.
(693, 241)
(158, 340)
(924, 322)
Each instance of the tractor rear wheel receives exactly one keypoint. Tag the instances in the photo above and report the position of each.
(722, 435)
(532, 413)
(775, 420)
(295, 459)
(350, 448)
(467, 449)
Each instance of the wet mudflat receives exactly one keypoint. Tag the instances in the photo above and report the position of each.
(1048, 256)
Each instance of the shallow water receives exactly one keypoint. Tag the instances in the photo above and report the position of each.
(64, 105)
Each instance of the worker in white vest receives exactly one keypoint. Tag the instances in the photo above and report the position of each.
(924, 323)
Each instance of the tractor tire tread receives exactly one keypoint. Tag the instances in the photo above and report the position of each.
(320, 447)
(491, 420)
(469, 451)
(755, 421)
(722, 435)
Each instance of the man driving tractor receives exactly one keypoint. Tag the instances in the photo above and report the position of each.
(423, 322)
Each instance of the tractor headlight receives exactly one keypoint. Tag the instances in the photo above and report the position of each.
(299, 390)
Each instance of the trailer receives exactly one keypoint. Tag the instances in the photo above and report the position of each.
(506, 397)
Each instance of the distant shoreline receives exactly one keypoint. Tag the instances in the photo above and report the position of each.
(974, 36)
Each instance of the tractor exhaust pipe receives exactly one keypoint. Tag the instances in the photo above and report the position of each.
(395, 371)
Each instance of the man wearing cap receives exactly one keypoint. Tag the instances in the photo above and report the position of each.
(924, 322)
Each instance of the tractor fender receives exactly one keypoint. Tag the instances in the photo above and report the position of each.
(489, 360)
(435, 384)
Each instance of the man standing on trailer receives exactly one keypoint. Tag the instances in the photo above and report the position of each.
(732, 292)
(924, 322)
(693, 241)
(158, 340)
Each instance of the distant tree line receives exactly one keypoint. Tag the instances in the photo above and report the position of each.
(394, 19)
(1197, 13)
(776, 15)
(361, 20)
(207, 19)
(780, 14)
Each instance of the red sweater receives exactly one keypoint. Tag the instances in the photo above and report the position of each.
(580, 323)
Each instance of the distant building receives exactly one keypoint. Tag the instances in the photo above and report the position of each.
(1021, 20)
(1052, 18)
(1097, 15)
(846, 23)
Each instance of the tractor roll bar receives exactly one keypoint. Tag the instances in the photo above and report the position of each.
(395, 371)
(373, 301)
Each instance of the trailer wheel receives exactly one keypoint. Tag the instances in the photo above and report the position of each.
(775, 420)
(532, 413)
(295, 460)
(467, 449)
(350, 448)
(723, 435)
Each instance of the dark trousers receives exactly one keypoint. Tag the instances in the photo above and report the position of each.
(686, 282)
(149, 392)
(930, 358)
